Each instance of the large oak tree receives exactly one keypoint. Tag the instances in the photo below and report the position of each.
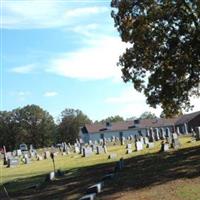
(163, 59)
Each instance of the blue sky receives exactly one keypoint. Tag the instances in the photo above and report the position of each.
(63, 54)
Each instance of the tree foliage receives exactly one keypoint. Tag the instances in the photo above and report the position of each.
(115, 118)
(163, 59)
(148, 115)
(71, 121)
(30, 125)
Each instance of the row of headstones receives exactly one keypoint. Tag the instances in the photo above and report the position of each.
(152, 135)
(13, 158)
(95, 189)
(169, 142)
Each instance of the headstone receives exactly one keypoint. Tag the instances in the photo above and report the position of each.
(122, 140)
(87, 151)
(38, 157)
(108, 177)
(46, 155)
(18, 152)
(128, 151)
(138, 146)
(129, 146)
(88, 197)
(12, 162)
(25, 153)
(99, 149)
(76, 149)
(97, 188)
(186, 128)
(101, 141)
(164, 147)
(178, 130)
(147, 132)
(176, 143)
(151, 137)
(198, 133)
(105, 149)
(150, 145)
(146, 140)
(157, 137)
(141, 140)
(168, 132)
(174, 136)
(27, 161)
(169, 140)
(50, 176)
(90, 142)
(163, 133)
(112, 156)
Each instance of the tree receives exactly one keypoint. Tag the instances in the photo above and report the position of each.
(148, 115)
(71, 121)
(30, 124)
(131, 118)
(115, 118)
(163, 60)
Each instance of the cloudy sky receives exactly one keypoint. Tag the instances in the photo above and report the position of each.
(62, 54)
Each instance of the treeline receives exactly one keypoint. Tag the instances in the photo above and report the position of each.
(33, 125)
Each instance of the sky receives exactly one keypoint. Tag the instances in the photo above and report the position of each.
(62, 54)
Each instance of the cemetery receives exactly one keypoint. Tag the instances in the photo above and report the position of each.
(104, 169)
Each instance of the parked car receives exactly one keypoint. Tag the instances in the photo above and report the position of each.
(23, 147)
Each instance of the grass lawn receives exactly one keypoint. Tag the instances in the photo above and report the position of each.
(148, 174)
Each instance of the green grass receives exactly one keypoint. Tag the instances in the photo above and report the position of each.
(23, 176)
(189, 192)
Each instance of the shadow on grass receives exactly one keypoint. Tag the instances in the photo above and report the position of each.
(139, 172)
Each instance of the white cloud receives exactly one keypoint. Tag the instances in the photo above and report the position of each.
(26, 69)
(50, 94)
(97, 61)
(86, 30)
(34, 14)
(21, 95)
(131, 103)
(80, 12)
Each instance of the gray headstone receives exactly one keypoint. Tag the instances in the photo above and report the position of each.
(18, 152)
(27, 161)
(112, 156)
(176, 143)
(88, 197)
(128, 151)
(150, 145)
(174, 136)
(99, 149)
(198, 133)
(105, 149)
(157, 137)
(97, 188)
(46, 155)
(76, 149)
(87, 151)
(12, 162)
(146, 140)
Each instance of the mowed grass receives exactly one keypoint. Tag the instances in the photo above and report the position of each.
(23, 176)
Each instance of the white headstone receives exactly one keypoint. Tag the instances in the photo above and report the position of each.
(139, 146)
